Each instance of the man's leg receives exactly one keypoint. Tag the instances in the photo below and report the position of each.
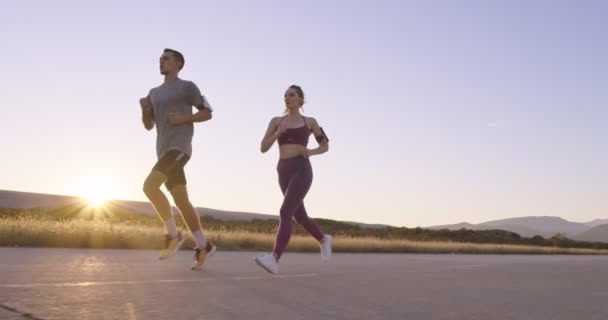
(161, 173)
(191, 217)
(160, 202)
(177, 186)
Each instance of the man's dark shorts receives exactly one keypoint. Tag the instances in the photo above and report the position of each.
(172, 165)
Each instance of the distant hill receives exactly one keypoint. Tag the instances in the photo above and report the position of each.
(28, 200)
(531, 226)
(597, 233)
(146, 208)
(458, 226)
(546, 225)
(368, 225)
(519, 229)
(597, 222)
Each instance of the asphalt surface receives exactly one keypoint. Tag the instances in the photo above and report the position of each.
(133, 284)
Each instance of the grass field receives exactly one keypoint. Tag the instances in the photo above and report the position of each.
(27, 231)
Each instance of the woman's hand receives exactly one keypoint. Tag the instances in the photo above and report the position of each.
(305, 153)
(281, 128)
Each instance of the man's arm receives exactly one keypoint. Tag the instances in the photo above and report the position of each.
(147, 113)
(177, 119)
(200, 102)
(202, 115)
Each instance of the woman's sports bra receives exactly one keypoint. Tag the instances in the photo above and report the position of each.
(295, 135)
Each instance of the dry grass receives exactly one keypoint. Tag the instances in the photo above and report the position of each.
(96, 234)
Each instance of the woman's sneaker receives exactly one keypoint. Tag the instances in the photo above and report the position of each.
(268, 262)
(201, 254)
(326, 247)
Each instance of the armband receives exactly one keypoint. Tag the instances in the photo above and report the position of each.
(322, 136)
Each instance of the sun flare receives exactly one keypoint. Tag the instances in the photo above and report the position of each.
(95, 200)
(95, 191)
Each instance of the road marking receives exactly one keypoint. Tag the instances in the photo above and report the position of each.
(469, 266)
(95, 283)
(133, 282)
(131, 311)
(276, 277)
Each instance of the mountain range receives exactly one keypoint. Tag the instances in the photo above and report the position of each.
(29, 200)
(546, 226)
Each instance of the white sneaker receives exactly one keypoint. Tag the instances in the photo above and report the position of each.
(326, 247)
(171, 246)
(268, 262)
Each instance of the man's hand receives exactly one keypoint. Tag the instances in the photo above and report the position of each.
(146, 104)
(177, 119)
(147, 113)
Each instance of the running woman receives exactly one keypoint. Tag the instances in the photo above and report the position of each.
(295, 174)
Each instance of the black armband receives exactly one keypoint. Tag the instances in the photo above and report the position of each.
(322, 136)
(205, 104)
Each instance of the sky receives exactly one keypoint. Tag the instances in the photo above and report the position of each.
(438, 112)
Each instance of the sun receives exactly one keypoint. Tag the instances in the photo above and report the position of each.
(95, 195)
(95, 200)
(95, 191)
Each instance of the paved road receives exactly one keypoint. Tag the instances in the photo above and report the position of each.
(132, 284)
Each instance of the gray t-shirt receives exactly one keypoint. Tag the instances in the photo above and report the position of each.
(177, 96)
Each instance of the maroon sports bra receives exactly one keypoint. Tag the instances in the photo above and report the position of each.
(295, 135)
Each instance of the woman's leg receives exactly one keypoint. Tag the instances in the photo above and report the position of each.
(307, 223)
(295, 184)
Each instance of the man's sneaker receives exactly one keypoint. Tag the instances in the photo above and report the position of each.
(326, 247)
(171, 246)
(268, 262)
(201, 254)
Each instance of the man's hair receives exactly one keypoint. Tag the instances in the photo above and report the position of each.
(178, 56)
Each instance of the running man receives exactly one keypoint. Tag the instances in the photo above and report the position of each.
(169, 107)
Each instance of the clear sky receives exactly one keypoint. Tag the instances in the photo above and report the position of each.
(438, 111)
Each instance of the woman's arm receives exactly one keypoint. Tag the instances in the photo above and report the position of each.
(320, 136)
(276, 127)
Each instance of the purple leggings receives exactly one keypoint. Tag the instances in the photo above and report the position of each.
(295, 178)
